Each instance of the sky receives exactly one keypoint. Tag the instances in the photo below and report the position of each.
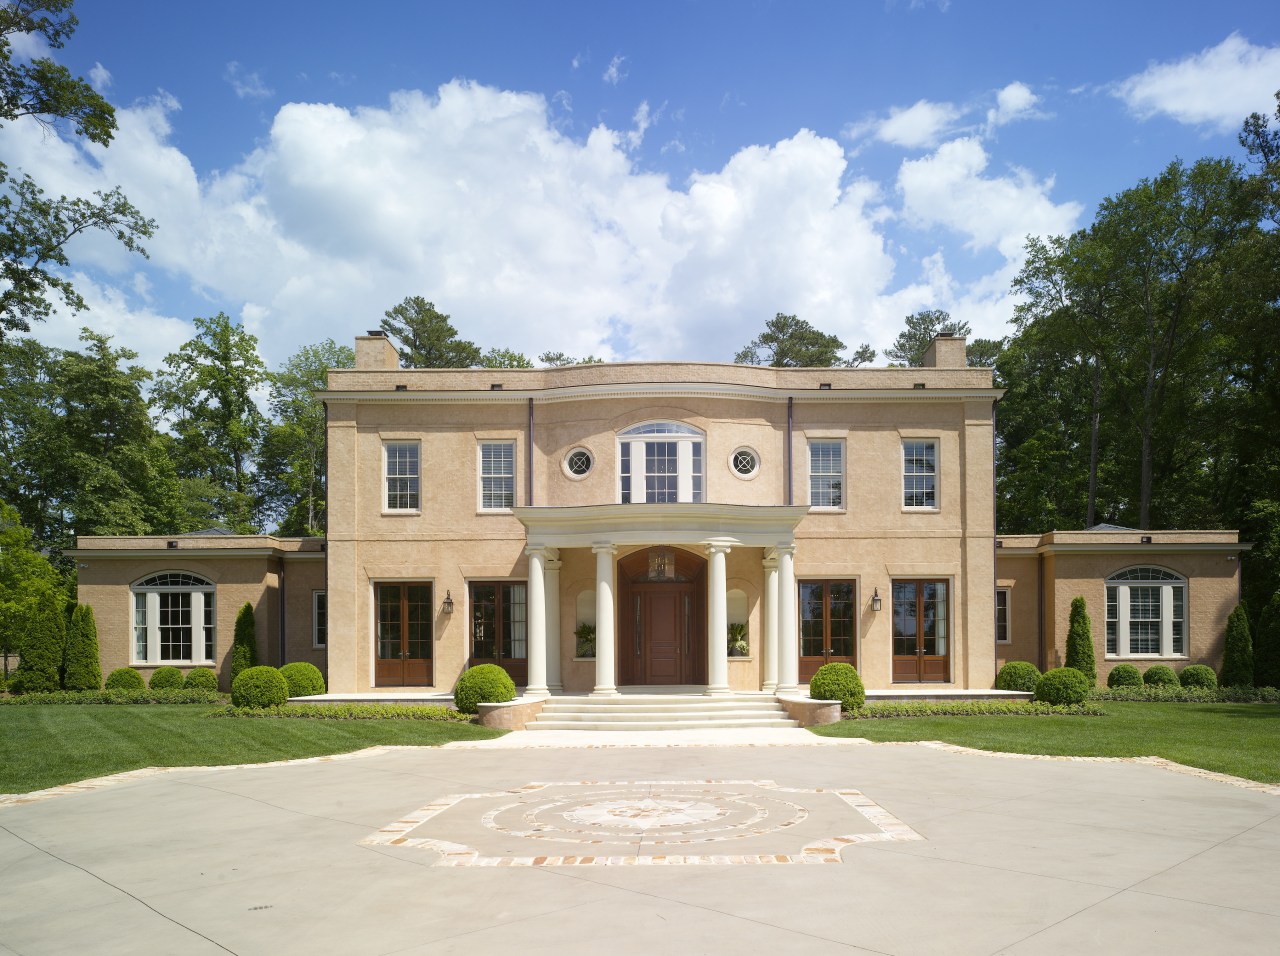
(642, 181)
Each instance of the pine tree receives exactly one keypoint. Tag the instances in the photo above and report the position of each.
(1080, 642)
(244, 648)
(1266, 651)
(43, 647)
(82, 669)
(1237, 659)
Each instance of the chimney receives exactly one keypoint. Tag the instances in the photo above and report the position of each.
(375, 353)
(946, 351)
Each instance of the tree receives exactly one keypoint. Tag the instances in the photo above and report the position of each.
(82, 668)
(1266, 648)
(504, 358)
(1237, 658)
(35, 229)
(43, 646)
(983, 353)
(922, 327)
(244, 646)
(1080, 641)
(426, 338)
(559, 359)
(791, 342)
(25, 574)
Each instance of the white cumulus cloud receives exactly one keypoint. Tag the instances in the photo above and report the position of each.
(247, 85)
(614, 73)
(917, 126)
(1013, 102)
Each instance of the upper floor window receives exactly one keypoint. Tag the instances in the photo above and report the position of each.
(1002, 615)
(660, 463)
(497, 475)
(319, 619)
(402, 470)
(826, 474)
(919, 474)
(1146, 613)
(173, 619)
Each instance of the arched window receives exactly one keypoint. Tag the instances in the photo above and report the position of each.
(660, 463)
(1146, 613)
(173, 619)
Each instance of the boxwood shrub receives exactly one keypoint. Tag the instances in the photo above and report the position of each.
(1160, 674)
(1018, 675)
(838, 681)
(200, 678)
(125, 678)
(1062, 685)
(483, 684)
(259, 687)
(1124, 675)
(1198, 675)
(165, 678)
(304, 680)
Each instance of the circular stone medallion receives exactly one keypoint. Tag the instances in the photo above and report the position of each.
(644, 814)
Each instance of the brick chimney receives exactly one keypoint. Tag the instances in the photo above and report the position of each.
(946, 351)
(375, 353)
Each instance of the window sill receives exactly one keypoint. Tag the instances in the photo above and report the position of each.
(814, 510)
(1004, 643)
(920, 511)
(733, 658)
(400, 513)
(591, 660)
(487, 512)
(138, 664)
(1148, 657)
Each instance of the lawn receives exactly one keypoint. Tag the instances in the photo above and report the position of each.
(1239, 739)
(43, 746)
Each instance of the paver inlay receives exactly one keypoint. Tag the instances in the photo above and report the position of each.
(662, 822)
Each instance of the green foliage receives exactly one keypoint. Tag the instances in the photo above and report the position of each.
(82, 667)
(584, 640)
(789, 342)
(1062, 685)
(1018, 675)
(1237, 658)
(45, 644)
(505, 358)
(921, 327)
(426, 338)
(131, 695)
(1160, 675)
(1080, 642)
(1266, 646)
(1198, 675)
(840, 682)
(244, 646)
(166, 678)
(484, 684)
(974, 708)
(25, 575)
(304, 680)
(200, 678)
(419, 712)
(1124, 675)
(1177, 694)
(259, 687)
(125, 678)
(559, 360)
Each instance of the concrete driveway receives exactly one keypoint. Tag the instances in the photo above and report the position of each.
(580, 847)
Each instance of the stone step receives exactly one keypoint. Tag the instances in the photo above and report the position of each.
(651, 716)
(700, 723)
(560, 707)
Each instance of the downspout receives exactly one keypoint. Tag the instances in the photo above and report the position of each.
(790, 425)
(528, 458)
(280, 599)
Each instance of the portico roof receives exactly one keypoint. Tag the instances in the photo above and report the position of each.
(751, 526)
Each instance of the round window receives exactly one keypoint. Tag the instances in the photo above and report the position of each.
(578, 463)
(745, 463)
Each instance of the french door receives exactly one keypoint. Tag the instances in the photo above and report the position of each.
(403, 641)
(921, 636)
(828, 625)
(500, 627)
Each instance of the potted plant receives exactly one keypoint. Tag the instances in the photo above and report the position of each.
(738, 646)
(585, 640)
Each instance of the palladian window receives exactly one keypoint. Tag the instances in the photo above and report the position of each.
(660, 463)
(1146, 613)
(173, 619)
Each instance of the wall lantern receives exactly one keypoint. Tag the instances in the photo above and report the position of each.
(875, 600)
(1146, 539)
(447, 606)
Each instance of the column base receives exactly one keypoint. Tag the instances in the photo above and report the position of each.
(769, 687)
(606, 692)
(536, 692)
(720, 690)
(791, 690)
(555, 689)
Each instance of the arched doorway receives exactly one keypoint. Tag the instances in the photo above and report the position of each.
(662, 617)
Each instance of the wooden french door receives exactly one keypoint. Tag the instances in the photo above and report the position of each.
(921, 635)
(828, 625)
(661, 636)
(403, 643)
(500, 627)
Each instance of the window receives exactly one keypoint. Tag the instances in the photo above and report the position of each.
(826, 474)
(500, 626)
(577, 464)
(497, 475)
(319, 620)
(402, 475)
(828, 624)
(660, 463)
(1146, 613)
(173, 619)
(921, 612)
(1002, 615)
(919, 474)
(745, 462)
(403, 639)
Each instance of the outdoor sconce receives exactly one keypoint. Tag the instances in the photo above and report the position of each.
(447, 606)
(875, 600)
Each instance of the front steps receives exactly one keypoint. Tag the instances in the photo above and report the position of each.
(661, 712)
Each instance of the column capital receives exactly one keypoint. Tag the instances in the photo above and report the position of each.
(538, 549)
(604, 547)
(553, 564)
(718, 547)
(782, 549)
(770, 563)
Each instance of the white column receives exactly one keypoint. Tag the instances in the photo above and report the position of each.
(684, 471)
(197, 628)
(605, 640)
(788, 647)
(1166, 621)
(717, 620)
(552, 570)
(769, 615)
(1122, 621)
(153, 627)
(536, 685)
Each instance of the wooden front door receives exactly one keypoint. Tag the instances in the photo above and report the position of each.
(828, 625)
(662, 618)
(500, 627)
(403, 643)
(921, 632)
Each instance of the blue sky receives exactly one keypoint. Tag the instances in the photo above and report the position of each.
(642, 181)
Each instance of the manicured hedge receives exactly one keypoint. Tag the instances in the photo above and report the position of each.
(165, 678)
(136, 696)
(125, 678)
(43, 646)
(975, 708)
(351, 712)
(82, 667)
(200, 678)
(1018, 675)
(1124, 675)
(1177, 694)
(1159, 674)
(483, 684)
(1080, 642)
(838, 681)
(304, 680)
(1198, 675)
(244, 645)
(1237, 656)
(259, 687)
(1062, 685)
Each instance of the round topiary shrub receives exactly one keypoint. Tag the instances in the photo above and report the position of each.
(166, 678)
(200, 678)
(125, 678)
(1159, 675)
(1124, 675)
(1198, 675)
(483, 684)
(838, 682)
(304, 680)
(1018, 675)
(1062, 685)
(259, 687)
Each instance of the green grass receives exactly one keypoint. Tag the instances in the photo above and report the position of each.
(1239, 739)
(44, 746)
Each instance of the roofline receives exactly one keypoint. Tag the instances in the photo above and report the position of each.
(566, 393)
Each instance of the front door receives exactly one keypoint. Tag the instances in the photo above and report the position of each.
(827, 625)
(662, 634)
(403, 642)
(500, 628)
(921, 644)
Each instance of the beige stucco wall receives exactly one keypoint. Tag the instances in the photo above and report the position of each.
(1018, 573)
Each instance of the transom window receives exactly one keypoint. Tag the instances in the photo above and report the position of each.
(497, 475)
(826, 474)
(173, 619)
(660, 463)
(919, 474)
(1146, 613)
(402, 475)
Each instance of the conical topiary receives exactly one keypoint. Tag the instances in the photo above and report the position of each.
(1237, 658)
(244, 648)
(1080, 642)
(82, 669)
(1266, 646)
(42, 647)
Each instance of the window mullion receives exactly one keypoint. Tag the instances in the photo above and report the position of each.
(684, 470)
(1166, 621)
(1124, 644)
(153, 627)
(197, 627)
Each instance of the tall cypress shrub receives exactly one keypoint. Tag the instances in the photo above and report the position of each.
(43, 646)
(244, 648)
(1266, 649)
(1237, 659)
(82, 668)
(1080, 642)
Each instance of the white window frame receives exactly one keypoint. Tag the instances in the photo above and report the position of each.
(482, 476)
(1008, 634)
(202, 617)
(839, 443)
(929, 488)
(1174, 613)
(319, 598)
(415, 479)
(691, 458)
